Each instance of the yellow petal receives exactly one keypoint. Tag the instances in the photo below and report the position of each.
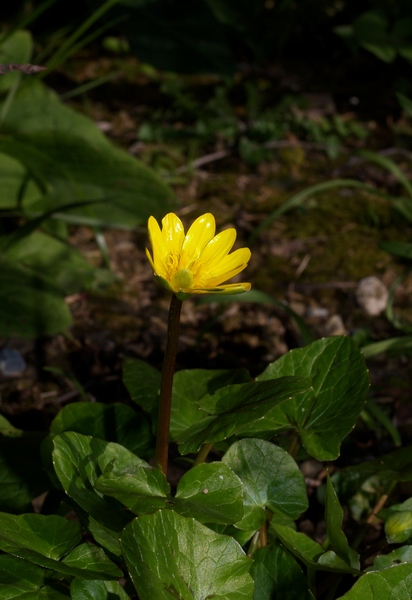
(158, 248)
(150, 259)
(227, 268)
(199, 234)
(173, 233)
(230, 288)
(218, 247)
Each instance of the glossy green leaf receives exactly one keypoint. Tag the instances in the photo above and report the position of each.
(190, 386)
(210, 493)
(238, 407)
(111, 422)
(308, 551)
(50, 536)
(54, 591)
(51, 542)
(271, 479)
(340, 381)
(15, 571)
(42, 311)
(81, 589)
(277, 575)
(170, 556)
(135, 484)
(396, 557)
(92, 558)
(394, 583)
(65, 150)
(79, 460)
(334, 518)
(142, 382)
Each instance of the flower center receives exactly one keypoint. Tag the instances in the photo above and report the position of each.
(182, 280)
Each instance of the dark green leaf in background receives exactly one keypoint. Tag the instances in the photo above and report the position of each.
(271, 479)
(17, 49)
(67, 150)
(395, 466)
(15, 182)
(310, 552)
(29, 305)
(111, 422)
(334, 518)
(57, 262)
(170, 556)
(22, 477)
(278, 575)
(400, 249)
(142, 382)
(179, 36)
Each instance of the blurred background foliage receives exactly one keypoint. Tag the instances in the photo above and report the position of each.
(222, 78)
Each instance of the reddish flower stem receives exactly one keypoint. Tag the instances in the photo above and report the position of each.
(165, 403)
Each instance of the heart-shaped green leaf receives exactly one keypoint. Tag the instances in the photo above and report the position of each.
(79, 460)
(210, 493)
(170, 556)
(340, 381)
(271, 479)
(135, 484)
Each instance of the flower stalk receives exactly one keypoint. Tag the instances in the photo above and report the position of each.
(196, 262)
(165, 402)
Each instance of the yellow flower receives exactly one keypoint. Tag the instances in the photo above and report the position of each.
(198, 262)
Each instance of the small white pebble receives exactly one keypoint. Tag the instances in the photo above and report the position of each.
(372, 295)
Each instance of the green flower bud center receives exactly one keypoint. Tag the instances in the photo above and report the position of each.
(182, 280)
